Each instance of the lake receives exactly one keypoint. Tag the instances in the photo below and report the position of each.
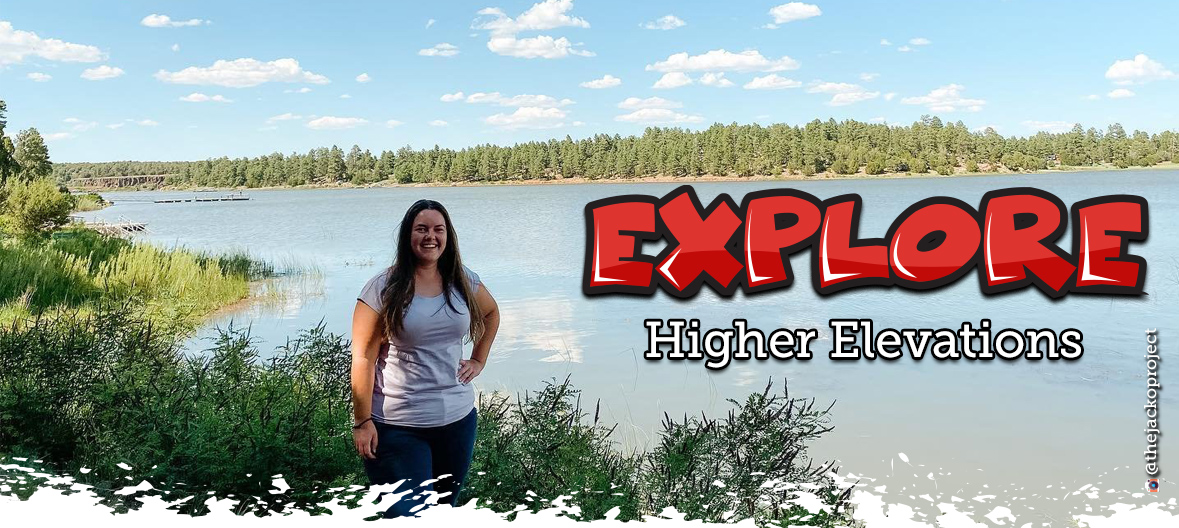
(975, 426)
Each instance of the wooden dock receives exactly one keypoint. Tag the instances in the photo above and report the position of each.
(121, 228)
(225, 198)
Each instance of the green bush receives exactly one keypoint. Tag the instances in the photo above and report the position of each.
(755, 451)
(544, 444)
(110, 388)
(36, 208)
(107, 389)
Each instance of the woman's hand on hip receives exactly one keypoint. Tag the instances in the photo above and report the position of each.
(469, 369)
(365, 438)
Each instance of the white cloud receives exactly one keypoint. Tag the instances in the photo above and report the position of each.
(58, 136)
(115, 126)
(634, 103)
(1120, 93)
(885, 42)
(772, 81)
(672, 80)
(658, 116)
(393, 123)
(16, 45)
(284, 117)
(842, 94)
(1049, 126)
(243, 73)
(450, 98)
(920, 41)
(1091, 97)
(428, 24)
(888, 96)
(529, 117)
(444, 49)
(298, 90)
(197, 97)
(607, 81)
(946, 98)
(363, 78)
(335, 123)
(542, 46)
(176, 47)
(715, 79)
(664, 23)
(904, 49)
(722, 60)
(480, 97)
(541, 101)
(39, 77)
(550, 14)
(791, 12)
(345, 96)
(160, 21)
(438, 123)
(1138, 70)
(101, 73)
(147, 122)
(869, 77)
(78, 125)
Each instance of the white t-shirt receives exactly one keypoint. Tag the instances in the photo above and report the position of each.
(417, 372)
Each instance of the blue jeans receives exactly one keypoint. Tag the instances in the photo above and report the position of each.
(420, 454)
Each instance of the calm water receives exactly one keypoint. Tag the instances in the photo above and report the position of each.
(993, 423)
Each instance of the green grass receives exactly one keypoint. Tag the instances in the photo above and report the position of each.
(88, 202)
(79, 268)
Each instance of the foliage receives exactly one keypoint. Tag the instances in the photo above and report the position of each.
(79, 269)
(541, 447)
(720, 150)
(32, 155)
(107, 388)
(758, 455)
(110, 389)
(88, 202)
(36, 208)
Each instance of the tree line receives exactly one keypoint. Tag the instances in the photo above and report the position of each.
(845, 147)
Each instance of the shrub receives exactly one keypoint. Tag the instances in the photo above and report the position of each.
(756, 451)
(545, 444)
(35, 209)
(109, 388)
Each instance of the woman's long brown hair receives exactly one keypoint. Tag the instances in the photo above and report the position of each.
(399, 291)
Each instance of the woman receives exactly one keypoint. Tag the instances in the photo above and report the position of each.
(413, 404)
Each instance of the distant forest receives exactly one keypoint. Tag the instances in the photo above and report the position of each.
(846, 147)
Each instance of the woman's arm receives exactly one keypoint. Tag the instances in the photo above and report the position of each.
(367, 333)
(468, 369)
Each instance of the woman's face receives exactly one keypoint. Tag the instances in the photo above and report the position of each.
(428, 236)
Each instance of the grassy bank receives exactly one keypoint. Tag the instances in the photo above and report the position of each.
(107, 388)
(78, 269)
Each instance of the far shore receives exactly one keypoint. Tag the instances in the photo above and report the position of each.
(707, 178)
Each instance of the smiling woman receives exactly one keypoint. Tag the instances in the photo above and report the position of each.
(413, 404)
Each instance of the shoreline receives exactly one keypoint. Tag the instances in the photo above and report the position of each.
(707, 178)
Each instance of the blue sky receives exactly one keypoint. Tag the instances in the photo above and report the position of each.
(190, 80)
